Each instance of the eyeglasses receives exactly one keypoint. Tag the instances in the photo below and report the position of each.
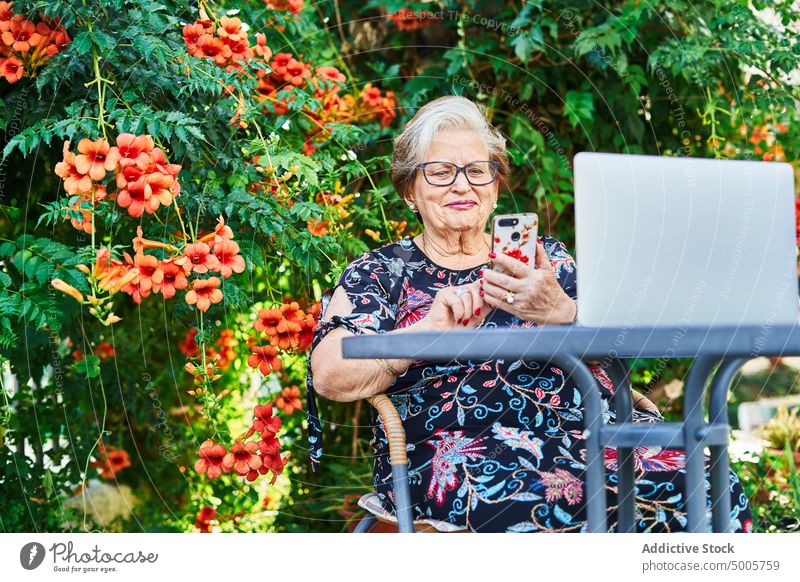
(479, 173)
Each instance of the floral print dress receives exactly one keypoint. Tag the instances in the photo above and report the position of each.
(495, 445)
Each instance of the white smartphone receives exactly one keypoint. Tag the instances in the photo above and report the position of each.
(515, 235)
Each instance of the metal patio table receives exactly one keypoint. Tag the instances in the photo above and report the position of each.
(718, 352)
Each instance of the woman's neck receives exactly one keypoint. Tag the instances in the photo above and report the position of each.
(457, 250)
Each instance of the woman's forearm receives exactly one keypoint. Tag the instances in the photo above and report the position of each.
(345, 380)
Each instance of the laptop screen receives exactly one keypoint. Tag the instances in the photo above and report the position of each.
(684, 241)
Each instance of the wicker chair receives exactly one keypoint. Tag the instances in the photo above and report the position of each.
(398, 459)
(374, 513)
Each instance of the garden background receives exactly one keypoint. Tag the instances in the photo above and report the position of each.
(181, 181)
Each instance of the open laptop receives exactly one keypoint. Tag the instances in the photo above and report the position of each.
(684, 241)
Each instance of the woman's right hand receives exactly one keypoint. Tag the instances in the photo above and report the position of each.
(452, 308)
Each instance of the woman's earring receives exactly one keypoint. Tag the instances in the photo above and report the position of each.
(412, 207)
(494, 206)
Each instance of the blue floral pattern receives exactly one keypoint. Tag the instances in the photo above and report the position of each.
(496, 445)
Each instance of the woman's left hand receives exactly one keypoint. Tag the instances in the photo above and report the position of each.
(538, 296)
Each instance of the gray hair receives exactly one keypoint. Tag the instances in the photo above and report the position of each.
(448, 112)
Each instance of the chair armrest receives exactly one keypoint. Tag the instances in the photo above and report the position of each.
(393, 427)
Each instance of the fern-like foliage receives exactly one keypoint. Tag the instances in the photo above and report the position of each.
(27, 301)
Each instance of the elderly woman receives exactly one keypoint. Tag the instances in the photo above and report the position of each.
(494, 446)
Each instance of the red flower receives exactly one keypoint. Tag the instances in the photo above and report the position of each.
(308, 149)
(129, 172)
(83, 223)
(371, 96)
(188, 346)
(137, 198)
(110, 274)
(21, 35)
(407, 19)
(269, 450)
(292, 312)
(227, 252)
(306, 336)
(95, 158)
(204, 292)
(193, 32)
(105, 350)
(198, 258)
(111, 461)
(243, 458)
(204, 517)
(221, 231)
(261, 48)
(266, 359)
(173, 280)
(283, 326)
(268, 320)
(229, 27)
(225, 343)
(265, 422)
(389, 110)
(269, 444)
(293, 6)
(272, 463)
(212, 48)
(150, 274)
(317, 227)
(289, 70)
(327, 80)
(75, 182)
(211, 459)
(315, 310)
(289, 400)
(12, 69)
(138, 288)
(133, 149)
(161, 186)
(83, 205)
(384, 108)
(288, 336)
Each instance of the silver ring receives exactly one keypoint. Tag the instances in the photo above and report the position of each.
(509, 297)
(460, 291)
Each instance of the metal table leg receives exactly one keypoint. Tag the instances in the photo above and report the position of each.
(592, 422)
(720, 464)
(626, 509)
(693, 434)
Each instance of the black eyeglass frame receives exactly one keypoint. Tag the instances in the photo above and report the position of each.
(494, 164)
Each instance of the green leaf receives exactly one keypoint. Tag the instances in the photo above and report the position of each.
(579, 107)
(522, 47)
(104, 42)
(82, 43)
(89, 366)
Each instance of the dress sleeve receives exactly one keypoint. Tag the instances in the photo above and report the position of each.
(563, 265)
(370, 282)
